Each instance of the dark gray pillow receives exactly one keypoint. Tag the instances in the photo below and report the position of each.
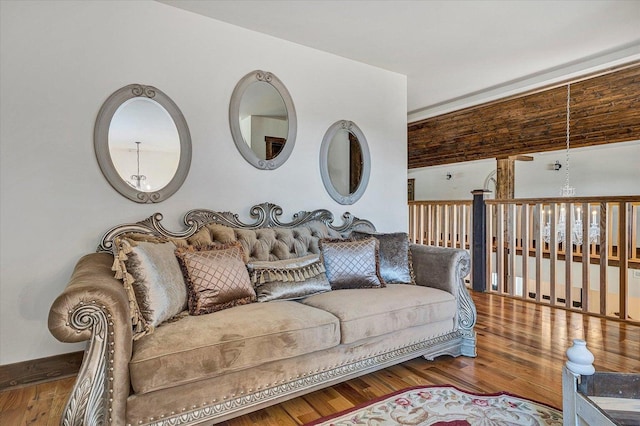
(351, 263)
(395, 261)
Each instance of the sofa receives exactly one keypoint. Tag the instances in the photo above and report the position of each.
(209, 365)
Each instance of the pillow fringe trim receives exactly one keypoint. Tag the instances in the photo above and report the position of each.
(300, 274)
(139, 324)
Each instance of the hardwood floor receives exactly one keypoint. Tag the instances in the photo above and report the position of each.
(521, 349)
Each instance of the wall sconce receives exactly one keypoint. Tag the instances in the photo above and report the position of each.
(448, 176)
(557, 166)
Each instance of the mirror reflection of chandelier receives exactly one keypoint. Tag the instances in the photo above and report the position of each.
(568, 191)
(136, 180)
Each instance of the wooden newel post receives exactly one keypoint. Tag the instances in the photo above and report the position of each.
(479, 253)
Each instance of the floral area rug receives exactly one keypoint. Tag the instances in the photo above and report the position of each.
(446, 406)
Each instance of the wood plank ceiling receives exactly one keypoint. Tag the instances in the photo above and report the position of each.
(604, 109)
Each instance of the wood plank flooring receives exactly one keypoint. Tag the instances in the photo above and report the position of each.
(521, 349)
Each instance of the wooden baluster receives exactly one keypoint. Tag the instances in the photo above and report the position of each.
(490, 209)
(553, 254)
(539, 250)
(511, 249)
(451, 236)
(610, 232)
(453, 214)
(568, 253)
(634, 231)
(430, 225)
(469, 226)
(604, 257)
(586, 258)
(463, 226)
(445, 225)
(436, 224)
(419, 227)
(412, 225)
(500, 248)
(624, 260)
(525, 250)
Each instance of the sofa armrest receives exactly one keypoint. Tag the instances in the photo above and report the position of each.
(445, 269)
(439, 267)
(94, 306)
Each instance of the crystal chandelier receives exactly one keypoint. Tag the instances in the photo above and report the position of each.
(136, 180)
(568, 191)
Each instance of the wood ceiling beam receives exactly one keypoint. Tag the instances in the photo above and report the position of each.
(604, 109)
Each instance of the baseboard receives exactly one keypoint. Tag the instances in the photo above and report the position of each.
(40, 370)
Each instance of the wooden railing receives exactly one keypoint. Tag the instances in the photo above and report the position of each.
(441, 223)
(525, 248)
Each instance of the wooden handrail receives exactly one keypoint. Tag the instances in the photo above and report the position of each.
(607, 199)
(441, 202)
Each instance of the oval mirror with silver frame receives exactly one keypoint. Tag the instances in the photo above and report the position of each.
(142, 143)
(345, 162)
(263, 120)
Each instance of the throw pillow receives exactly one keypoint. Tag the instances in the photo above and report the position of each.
(395, 257)
(153, 280)
(352, 263)
(217, 278)
(288, 279)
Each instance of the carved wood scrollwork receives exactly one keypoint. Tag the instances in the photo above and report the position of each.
(466, 309)
(266, 215)
(89, 403)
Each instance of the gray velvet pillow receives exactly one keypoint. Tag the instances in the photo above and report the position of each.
(395, 260)
(352, 263)
(288, 279)
(153, 280)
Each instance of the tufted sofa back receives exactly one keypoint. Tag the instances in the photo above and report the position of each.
(265, 243)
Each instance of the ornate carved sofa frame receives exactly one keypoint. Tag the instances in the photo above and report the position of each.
(94, 307)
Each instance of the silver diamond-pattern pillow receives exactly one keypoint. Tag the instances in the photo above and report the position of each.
(352, 263)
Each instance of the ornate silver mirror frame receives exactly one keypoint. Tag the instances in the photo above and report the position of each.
(103, 154)
(234, 120)
(352, 128)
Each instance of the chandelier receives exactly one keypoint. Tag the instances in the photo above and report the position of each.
(568, 191)
(136, 180)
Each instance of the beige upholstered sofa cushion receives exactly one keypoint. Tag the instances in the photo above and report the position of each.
(371, 312)
(201, 347)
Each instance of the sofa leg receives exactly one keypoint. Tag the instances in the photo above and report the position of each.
(468, 347)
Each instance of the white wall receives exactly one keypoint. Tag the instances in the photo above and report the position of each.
(432, 183)
(61, 60)
(612, 169)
